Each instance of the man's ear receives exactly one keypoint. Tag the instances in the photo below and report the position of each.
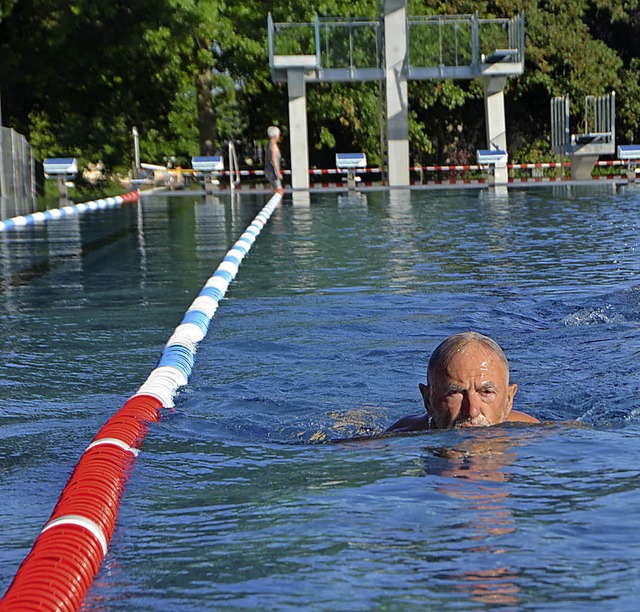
(424, 390)
(511, 393)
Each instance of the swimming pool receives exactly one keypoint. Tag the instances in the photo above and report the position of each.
(253, 492)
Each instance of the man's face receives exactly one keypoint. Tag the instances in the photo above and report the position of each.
(472, 390)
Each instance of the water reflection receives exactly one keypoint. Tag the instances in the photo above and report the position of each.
(476, 472)
(352, 198)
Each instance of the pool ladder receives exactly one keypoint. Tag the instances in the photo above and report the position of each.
(234, 170)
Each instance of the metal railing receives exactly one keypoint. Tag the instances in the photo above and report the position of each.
(341, 46)
(438, 46)
(599, 123)
(600, 116)
(350, 43)
(464, 41)
(17, 166)
(560, 132)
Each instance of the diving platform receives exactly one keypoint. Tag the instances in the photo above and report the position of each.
(394, 48)
(597, 137)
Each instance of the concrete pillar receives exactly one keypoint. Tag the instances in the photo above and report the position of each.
(582, 166)
(495, 120)
(496, 123)
(298, 139)
(395, 50)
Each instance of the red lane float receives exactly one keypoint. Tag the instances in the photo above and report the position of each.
(67, 554)
(59, 570)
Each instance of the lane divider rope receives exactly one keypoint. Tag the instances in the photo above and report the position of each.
(82, 521)
(31, 219)
(66, 556)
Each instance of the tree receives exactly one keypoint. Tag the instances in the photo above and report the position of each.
(191, 75)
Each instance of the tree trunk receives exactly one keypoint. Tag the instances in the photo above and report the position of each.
(206, 116)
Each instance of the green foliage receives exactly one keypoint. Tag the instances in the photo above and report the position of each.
(77, 75)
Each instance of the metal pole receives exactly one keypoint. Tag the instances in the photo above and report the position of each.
(136, 151)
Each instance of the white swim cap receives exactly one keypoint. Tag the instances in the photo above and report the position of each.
(273, 131)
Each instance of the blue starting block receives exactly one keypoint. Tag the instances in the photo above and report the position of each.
(630, 154)
(61, 169)
(208, 163)
(627, 152)
(496, 159)
(207, 167)
(488, 157)
(349, 162)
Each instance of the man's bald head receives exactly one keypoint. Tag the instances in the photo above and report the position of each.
(454, 344)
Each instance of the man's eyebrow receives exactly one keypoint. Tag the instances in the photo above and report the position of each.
(488, 384)
(454, 387)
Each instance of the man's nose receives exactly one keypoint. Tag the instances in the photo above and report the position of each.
(471, 405)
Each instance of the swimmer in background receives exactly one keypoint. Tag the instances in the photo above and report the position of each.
(467, 386)
(272, 159)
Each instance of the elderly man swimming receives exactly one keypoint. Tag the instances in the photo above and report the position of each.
(467, 386)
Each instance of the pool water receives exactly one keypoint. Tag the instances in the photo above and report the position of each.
(267, 486)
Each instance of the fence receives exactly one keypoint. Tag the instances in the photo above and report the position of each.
(17, 167)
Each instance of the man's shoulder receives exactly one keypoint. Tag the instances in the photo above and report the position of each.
(416, 422)
(521, 417)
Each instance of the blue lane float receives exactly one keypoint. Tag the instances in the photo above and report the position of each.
(65, 558)
(22, 221)
(178, 357)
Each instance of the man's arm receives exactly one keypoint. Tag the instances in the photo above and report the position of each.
(416, 422)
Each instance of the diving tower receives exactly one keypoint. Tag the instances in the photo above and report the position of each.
(394, 48)
(598, 136)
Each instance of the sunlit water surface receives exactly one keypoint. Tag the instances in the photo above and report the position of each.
(266, 487)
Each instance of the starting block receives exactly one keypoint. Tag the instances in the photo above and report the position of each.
(61, 169)
(496, 159)
(349, 162)
(630, 154)
(208, 167)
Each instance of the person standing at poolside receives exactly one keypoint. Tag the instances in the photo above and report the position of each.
(272, 169)
(467, 386)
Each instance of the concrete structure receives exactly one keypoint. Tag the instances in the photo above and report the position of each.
(597, 138)
(428, 47)
(395, 54)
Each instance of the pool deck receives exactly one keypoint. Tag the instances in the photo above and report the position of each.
(427, 185)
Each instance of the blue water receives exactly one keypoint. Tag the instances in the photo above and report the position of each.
(266, 487)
